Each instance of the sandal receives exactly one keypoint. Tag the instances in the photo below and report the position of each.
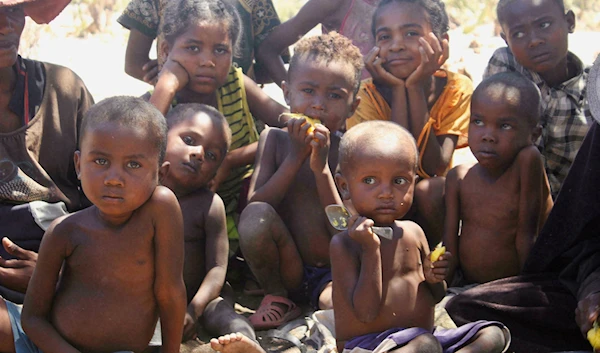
(273, 312)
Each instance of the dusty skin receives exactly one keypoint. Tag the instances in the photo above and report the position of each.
(235, 343)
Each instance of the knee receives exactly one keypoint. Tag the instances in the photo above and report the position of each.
(426, 343)
(256, 219)
(491, 339)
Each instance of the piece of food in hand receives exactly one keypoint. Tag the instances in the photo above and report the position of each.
(593, 336)
(309, 120)
(437, 252)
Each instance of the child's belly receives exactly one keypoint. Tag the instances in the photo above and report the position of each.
(110, 320)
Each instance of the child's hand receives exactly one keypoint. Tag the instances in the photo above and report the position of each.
(433, 55)
(437, 271)
(359, 229)
(319, 148)
(374, 64)
(151, 71)
(300, 138)
(587, 312)
(189, 327)
(173, 74)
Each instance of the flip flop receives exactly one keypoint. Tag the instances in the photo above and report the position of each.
(273, 312)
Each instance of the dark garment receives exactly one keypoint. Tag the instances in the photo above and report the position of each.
(29, 89)
(314, 281)
(563, 267)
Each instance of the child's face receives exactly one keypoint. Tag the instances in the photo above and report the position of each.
(205, 52)
(380, 181)
(498, 130)
(195, 149)
(118, 168)
(12, 21)
(537, 34)
(398, 28)
(322, 91)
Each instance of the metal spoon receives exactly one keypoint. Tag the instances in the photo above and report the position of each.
(338, 217)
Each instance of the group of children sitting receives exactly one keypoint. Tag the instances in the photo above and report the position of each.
(167, 175)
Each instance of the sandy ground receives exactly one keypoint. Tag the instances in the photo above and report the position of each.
(99, 61)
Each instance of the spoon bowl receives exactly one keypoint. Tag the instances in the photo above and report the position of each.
(338, 217)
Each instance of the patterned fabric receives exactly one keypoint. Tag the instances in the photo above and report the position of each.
(258, 19)
(565, 119)
(233, 105)
(449, 115)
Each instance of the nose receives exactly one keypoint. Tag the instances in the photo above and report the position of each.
(488, 136)
(397, 43)
(318, 102)
(6, 25)
(386, 191)
(197, 152)
(114, 177)
(535, 39)
(207, 60)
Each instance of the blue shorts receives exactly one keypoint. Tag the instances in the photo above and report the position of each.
(22, 343)
(314, 281)
(450, 339)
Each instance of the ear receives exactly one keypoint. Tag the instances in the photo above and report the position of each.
(165, 48)
(445, 36)
(342, 185)
(536, 132)
(354, 106)
(503, 36)
(163, 171)
(570, 18)
(286, 92)
(77, 160)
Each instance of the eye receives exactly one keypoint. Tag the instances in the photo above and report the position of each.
(100, 161)
(506, 126)
(133, 165)
(193, 48)
(413, 34)
(400, 181)
(188, 140)
(335, 96)
(382, 37)
(477, 122)
(308, 90)
(545, 24)
(212, 156)
(518, 34)
(369, 180)
(221, 50)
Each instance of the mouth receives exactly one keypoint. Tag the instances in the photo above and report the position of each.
(7, 45)
(192, 167)
(386, 210)
(204, 79)
(112, 198)
(540, 57)
(397, 61)
(486, 154)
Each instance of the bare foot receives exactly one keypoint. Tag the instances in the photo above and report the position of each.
(235, 343)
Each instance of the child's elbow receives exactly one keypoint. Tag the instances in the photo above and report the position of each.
(169, 293)
(367, 316)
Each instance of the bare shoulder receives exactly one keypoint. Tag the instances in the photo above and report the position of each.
(527, 155)
(460, 171)
(162, 200)
(341, 243)
(276, 141)
(410, 233)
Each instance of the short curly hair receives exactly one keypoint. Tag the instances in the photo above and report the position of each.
(328, 48)
(438, 17)
(503, 4)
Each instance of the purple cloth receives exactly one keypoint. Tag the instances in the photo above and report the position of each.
(450, 339)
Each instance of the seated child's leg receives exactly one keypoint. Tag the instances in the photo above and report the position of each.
(264, 240)
(235, 343)
(491, 339)
(430, 212)
(7, 343)
(425, 343)
(326, 299)
(220, 319)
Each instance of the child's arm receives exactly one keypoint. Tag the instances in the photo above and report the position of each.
(216, 251)
(452, 220)
(532, 178)
(437, 149)
(262, 106)
(233, 159)
(137, 62)
(270, 181)
(326, 188)
(287, 33)
(40, 293)
(437, 272)
(359, 277)
(171, 79)
(169, 287)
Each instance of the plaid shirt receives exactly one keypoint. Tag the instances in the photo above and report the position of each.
(565, 117)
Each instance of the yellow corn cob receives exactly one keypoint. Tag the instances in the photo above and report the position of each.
(309, 120)
(437, 252)
(593, 336)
